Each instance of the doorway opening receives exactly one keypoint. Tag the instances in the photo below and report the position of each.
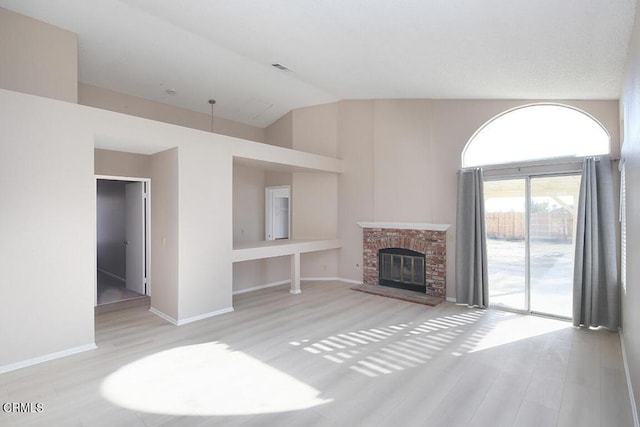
(277, 212)
(123, 225)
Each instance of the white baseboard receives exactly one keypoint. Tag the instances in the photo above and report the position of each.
(266, 285)
(302, 279)
(115, 276)
(634, 409)
(189, 319)
(318, 279)
(47, 357)
(330, 279)
(353, 282)
(164, 316)
(204, 316)
(452, 299)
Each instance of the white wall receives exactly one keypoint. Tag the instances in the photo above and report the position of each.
(94, 96)
(37, 58)
(48, 228)
(401, 152)
(118, 163)
(260, 273)
(315, 216)
(111, 227)
(205, 228)
(248, 226)
(280, 132)
(630, 111)
(248, 204)
(164, 232)
(314, 197)
(315, 129)
(355, 185)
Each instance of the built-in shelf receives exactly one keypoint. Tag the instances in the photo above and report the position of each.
(286, 247)
(406, 225)
(274, 248)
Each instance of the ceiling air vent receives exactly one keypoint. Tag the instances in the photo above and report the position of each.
(280, 67)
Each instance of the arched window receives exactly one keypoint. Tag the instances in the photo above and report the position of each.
(536, 132)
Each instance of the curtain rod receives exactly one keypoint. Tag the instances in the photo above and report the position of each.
(537, 164)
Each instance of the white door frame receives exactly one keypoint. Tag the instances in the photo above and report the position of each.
(135, 235)
(268, 213)
(147, 182)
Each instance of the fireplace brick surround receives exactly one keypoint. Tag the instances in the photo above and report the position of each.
(428, 239)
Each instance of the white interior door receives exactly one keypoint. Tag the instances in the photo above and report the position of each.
(277, 218)
(135, 241)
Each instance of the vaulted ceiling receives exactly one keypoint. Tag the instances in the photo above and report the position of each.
(343, 49)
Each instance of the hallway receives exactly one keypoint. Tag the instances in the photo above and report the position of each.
(112, 290)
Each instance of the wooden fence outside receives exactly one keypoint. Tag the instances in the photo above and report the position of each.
(556, 225)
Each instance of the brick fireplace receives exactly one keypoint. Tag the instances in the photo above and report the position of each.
(429, 240)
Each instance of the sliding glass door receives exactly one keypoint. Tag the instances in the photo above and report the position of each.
(530, 224)
(505, 219)
(552, 229)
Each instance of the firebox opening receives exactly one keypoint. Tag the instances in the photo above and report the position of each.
(402, 268)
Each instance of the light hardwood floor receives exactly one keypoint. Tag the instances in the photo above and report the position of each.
(330, 356)
(112, 290)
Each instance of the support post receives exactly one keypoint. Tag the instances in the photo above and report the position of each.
(295, 273)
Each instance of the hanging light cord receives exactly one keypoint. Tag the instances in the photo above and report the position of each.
(212, 102)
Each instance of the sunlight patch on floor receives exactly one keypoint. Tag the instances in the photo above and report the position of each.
(515, 328)
(206, 379)
(387, 349)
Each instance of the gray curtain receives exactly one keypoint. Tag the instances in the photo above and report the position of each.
(596, 295)
(472, 286)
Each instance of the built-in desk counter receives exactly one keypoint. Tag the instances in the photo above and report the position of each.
(275, 248)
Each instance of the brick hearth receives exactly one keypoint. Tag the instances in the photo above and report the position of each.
(431, 243)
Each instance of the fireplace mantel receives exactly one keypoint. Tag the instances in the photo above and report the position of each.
(406, 225)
